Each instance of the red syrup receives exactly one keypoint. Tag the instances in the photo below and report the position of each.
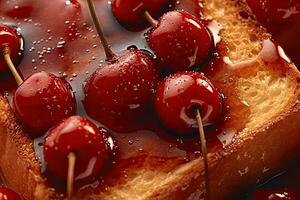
(282, 19)
(66, 44)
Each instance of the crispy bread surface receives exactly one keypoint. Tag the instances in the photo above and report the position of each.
(264, 147)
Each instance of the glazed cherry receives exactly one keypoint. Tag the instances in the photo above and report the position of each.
(8, 194)
(180, 94)
(21, 12)
(10, 38)
(122, 88)
(267, 194)
(180, 41)
(276, 11)
(42, 101)
(79, 136)
(131, 14)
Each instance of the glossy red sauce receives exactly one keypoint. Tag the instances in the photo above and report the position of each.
(282, 19)
(59, 38)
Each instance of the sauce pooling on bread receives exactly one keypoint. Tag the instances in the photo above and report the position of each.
(67, 45)
(282, 19)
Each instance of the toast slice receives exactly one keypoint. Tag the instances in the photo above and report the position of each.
(264, 109)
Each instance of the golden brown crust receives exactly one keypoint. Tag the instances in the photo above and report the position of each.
(16, 153)
(252, 158)
(256, 153)
(247, 162)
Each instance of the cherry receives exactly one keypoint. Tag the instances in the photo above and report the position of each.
(185, 102)
(121, 89)
(42, 101)
(22, 12)
(276, 11)
(10, 38)
(80, 137)
(267, 194)
(131, 13)
(180, 41)
(8, 194)
(179, 95)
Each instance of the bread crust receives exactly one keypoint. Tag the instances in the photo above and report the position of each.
(256, 153)
(250, 160)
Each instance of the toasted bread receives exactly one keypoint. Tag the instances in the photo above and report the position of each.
(267, 126)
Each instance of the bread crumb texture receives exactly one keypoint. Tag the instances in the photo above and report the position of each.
(242, 35)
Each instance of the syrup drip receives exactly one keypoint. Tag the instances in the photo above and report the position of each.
(281, 18)
(66, 45)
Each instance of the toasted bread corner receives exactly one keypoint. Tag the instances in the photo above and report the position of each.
(257, 153)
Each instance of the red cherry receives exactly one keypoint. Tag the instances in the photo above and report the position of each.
(79, 136)
(182, 92)
(282, 194)
(42, 101)
(20, 12)
(131, 13)
(276, 11)
(8, 194)
(180, 41)
(10, 38)
(122, 88)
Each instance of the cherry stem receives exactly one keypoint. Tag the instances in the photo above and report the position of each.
(108, 52)
(148, 17)
(70, 178)
(11, 66)
(204, 152)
